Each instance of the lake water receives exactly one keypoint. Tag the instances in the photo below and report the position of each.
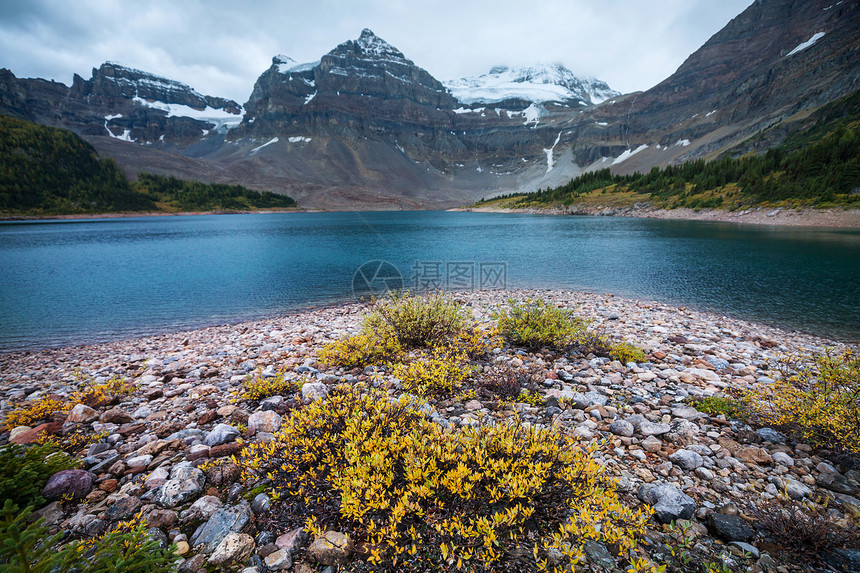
(71, 282)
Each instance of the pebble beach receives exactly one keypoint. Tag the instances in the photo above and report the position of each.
(663, 452)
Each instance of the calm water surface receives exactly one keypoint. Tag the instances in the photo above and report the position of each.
(70, 282)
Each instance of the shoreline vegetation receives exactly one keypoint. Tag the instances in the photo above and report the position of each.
(798, 216)
(344, 435)
(47, 172)
(811, 178)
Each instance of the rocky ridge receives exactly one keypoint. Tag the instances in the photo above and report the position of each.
(684, 463)
(366, 128)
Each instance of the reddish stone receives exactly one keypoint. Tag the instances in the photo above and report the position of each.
(658, 355)
(128, 429)
(109, 485)
(226, 450)
(30, 436)
(154, 394)
(207, 417)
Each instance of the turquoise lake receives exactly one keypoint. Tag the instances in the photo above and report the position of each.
(79, 281)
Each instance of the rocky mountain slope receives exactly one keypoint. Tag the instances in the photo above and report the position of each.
(364, 127)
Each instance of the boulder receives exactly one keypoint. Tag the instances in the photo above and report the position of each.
(729, 527)
(234, 548)
(224, 521)
(331, 548)
(670, 503)
(76, 483)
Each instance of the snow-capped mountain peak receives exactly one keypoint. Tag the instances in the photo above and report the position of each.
(369, 46)
(537, 84)
(286, 64)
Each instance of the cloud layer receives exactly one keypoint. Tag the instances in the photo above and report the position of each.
(220, 47)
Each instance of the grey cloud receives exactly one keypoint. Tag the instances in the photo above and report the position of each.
(221, 46)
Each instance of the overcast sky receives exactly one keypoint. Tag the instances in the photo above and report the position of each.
(220, 47)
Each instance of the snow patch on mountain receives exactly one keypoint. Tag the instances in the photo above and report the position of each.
(537, 84)
(287, 65)
(628, 154)
(219, 118)
(803, 45)
(259, 147)
(548, 151)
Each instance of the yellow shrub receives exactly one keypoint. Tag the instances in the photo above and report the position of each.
(439, 372)
(363, 349)
(535, 323)
(625, 352)
(477, 342)
(819, 402)
(420, 498)
(36, 411)
(258, 388)
(420, 321)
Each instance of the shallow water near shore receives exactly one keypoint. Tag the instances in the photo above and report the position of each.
(78, 281)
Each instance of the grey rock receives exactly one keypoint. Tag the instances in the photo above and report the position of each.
(621, 428)
(187, 433)
(686, 412)
(278, 560)
(314, 390)
(747, 548)
(203, 508)
(795, 489)
(718, 363)
(687, 459)
(596, 398)
(598, 555)
(261, 503)
(221, 434)
(222, 522)
(234, 548)
(331, 548)
(838, 483)
(771, 435)
(647, 428)
(783, 459)
(185, 484)
(669, 503)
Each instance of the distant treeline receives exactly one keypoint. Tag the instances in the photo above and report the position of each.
(50, 171)
(817, 166)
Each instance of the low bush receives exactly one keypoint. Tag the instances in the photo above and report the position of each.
(477, 342)
(364, 349)
(414, 497)
(90, 393)
(799, 531)
(507, 383)
(438, 372)
(716, 405)
(535, 323)
(420, 321)
(818, 401)
(24, 471)
(33, 411)
(532, 398)
(260, 387)
(625, 352)
(26, 548)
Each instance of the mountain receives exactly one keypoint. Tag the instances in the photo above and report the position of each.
(365, 128)
(122, 103)
(535, 84)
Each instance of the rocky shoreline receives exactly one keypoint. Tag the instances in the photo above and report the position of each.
(155, 453)
(794, 217)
